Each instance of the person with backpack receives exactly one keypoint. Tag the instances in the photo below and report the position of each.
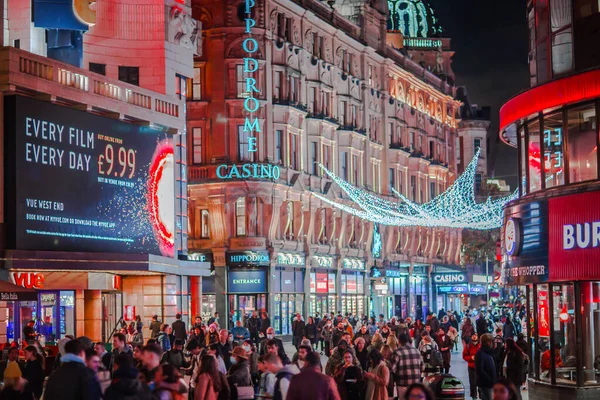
(498, 347)
(175, 356)
(283, 375)
(445, 345)
(163, 339)
(432, 358)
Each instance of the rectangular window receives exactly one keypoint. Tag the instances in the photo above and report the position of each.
(523, 173)
(197, 84)
(240, 78)
(370, 75)
(240, 216)
(413, 187)
(98, 68)
(355, 170)
(294, 89)
(431, 149)
(422, 189)
(342, 116)
(401, 182)
(293, 151)
(354, 116)
(582, 131)
(313, 168)
(327, 157)
(277, 85)
(375, 170)
(325, 103)
(288, 29)
(204, 224)
(392, 179)
(312, 95)
(183, 87)
(476, 144)
(344, 168)
(431, 190)
(197, 145)
(243, 142)
(553, 150)
(561, 16)
(533, 159)
(130, 75)
(278, 146)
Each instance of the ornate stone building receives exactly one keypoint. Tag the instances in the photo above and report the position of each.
(331, 91)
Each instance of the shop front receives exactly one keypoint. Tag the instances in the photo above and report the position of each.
(551, 252)
(451, 288)
(288, 291)
(323, 293)
(419, 292)
(352, 282)
(397, 299)
(208, 301)
(247, 288)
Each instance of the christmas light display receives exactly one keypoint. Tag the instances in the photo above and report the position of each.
(455, 208)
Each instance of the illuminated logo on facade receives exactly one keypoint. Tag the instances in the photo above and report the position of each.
(422, 43)
(449, 278)
(291, 259)
(251, 105)
(512, 236)
(581, 236)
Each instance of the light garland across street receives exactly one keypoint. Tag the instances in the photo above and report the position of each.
(455, 208)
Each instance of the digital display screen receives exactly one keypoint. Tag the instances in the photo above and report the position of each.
(84, 182)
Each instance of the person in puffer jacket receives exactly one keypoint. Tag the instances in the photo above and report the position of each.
(469, 352)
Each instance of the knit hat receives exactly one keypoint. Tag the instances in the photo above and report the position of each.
(12, 371)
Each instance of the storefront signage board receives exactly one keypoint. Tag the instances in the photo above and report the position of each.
(248, 281)
(543, 314)
(574, 250)
(248, 259)
(449, 278)
(86, 182)
(353, 263)
(291, 259)
(530, 263)
(324, 261)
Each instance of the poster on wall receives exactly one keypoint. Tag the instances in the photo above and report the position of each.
(83, 182)
(543, 314)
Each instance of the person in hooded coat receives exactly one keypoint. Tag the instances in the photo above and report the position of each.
(125, 384)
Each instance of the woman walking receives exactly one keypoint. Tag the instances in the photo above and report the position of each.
(211, 384)
(310, 331)
(33, 372)
(516, 362)
(378, 377)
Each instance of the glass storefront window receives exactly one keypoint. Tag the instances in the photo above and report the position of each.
(67, 313)
(534, 156)
(590, 334)
(543, 327)
(564, 333)
(208, 306)
(277, 313)
(332, 283)
(523, 175)
(553, 150)
(583, 161)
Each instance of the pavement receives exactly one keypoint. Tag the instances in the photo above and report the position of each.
(458, 367)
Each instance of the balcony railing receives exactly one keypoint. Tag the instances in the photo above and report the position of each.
(28, 72)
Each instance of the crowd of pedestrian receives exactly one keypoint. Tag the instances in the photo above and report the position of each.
(336, 357)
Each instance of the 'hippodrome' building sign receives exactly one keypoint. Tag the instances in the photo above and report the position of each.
(251, 105)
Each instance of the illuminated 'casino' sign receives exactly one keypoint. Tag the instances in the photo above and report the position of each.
(251, 105)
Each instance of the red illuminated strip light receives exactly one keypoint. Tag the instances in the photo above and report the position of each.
(572, 89)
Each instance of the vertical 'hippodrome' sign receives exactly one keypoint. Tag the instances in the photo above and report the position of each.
(251, 105)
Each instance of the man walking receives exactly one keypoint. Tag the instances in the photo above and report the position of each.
(283, 374)
(179, 330)
(445, 345)
(469, 353)
(254, 327)
(311, 383)
(406, 365)
(155, 327)
(485, 368)
(298, 328)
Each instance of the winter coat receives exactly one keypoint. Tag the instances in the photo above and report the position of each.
(175, 358)
(179, 330)
(508, 331)
(467, 331)
(311, 384)
(240, 333)
(469, 353)
(254, 325)
(265, 324)
(238, 375)
(310, 331)
(154, 329)
(482, 326)
(298, 328)
(365, 336)
(377, 386)
(337, 359)
(350, 382)
(363, 358)
(33, 373)
(126, 386)
(485, 367)
(515, 367)
(163, 340)
(73, 381)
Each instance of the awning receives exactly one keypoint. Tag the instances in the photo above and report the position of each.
(11, 292)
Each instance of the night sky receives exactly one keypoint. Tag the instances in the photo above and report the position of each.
(490, 43)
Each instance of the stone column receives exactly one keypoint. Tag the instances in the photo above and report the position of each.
(92, 322)
(221, 286)
(196, 296)
(79, 313)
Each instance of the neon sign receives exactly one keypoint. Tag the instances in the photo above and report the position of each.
(251, 105)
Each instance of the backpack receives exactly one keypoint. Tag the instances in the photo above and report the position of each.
(437, 361)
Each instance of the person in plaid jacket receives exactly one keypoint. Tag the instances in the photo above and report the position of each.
(406, 365)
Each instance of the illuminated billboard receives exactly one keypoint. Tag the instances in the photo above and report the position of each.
(82, 182)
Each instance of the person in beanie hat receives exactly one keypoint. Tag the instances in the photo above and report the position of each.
(239, 372)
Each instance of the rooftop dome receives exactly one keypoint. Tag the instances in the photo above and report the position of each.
(413, 18)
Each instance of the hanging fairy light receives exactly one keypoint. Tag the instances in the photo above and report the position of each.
(454, 208)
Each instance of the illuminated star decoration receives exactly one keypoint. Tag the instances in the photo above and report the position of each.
(455, 208)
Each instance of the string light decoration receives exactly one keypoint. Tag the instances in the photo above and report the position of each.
(454, 208)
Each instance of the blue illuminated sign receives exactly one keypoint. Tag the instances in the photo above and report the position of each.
(249, 258)
(251, 105)
(254, 281)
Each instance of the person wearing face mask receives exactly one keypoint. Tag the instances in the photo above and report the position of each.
(238, 374)
(248, 345)
(469, 352)
(326, 335)
(280, 349)
(225, 347)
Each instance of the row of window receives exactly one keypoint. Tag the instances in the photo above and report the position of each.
(559, 148)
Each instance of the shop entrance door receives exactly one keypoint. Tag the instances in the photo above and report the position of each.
(111, 313)
(241, 307)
